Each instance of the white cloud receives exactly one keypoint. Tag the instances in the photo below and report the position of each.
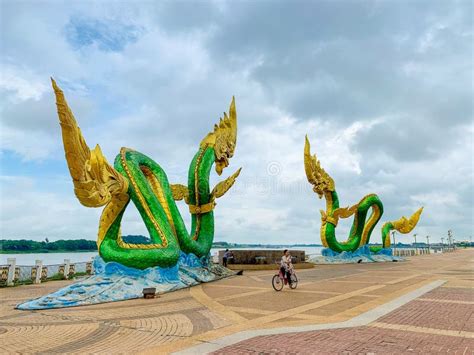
(21, 85)
(383, 102)
(28, 211)
(30, 145)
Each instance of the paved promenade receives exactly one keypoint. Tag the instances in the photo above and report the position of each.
(424, 305)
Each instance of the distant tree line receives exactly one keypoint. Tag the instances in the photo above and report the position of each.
(136, 239)
(24, 245)
(32, 246)
(222, 244)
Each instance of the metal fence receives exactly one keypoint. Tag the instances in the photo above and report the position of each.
(420, 251)
(12, 274)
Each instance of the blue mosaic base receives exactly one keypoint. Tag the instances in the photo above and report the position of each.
(115, 282)
(361, 255)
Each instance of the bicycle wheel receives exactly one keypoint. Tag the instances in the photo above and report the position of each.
(294, 281)
(277, 283)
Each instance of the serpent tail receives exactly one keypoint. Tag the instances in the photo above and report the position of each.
(363, 223)
(138, 178)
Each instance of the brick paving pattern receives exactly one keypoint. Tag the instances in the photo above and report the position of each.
(427, 314)
(439, 321)
(432, 314)
(361, 340)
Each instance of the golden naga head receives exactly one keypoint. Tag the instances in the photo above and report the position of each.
(223, 138)
(405, 225)
(316, 175)
(95, 180)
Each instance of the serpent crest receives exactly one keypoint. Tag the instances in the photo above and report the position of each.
(136, 177)
(362, 227)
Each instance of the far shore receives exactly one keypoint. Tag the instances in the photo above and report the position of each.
(217, 246)
(45, 251)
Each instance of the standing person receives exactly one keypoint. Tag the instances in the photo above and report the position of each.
(285, 265)
(226, 256)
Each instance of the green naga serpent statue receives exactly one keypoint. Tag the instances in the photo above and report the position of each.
(136, 177)
(361, 229)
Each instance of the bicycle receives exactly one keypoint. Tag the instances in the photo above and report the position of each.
(279, 280)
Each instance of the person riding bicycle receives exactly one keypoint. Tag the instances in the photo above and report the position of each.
(285, 265)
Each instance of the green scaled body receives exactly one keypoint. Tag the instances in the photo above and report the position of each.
(361, 230)
(138, 178)
(174, 230)
(363, 223)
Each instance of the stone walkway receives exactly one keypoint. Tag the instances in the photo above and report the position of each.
(437, 321)
(441, 321)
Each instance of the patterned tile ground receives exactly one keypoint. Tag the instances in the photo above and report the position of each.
(327, 293)
(420, 318)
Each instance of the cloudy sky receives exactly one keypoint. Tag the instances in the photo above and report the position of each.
(382, 88)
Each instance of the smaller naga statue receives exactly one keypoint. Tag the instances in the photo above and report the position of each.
(362, 227)
(136, 177)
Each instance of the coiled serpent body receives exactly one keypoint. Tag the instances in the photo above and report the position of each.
(138, 178)
(362, 226)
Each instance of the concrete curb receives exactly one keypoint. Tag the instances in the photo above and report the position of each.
(358, 321)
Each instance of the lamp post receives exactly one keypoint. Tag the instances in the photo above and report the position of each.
(416, 247)
(428, 242)
(394, 243)
(442, 244)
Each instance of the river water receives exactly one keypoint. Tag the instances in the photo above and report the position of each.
(58, 258)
